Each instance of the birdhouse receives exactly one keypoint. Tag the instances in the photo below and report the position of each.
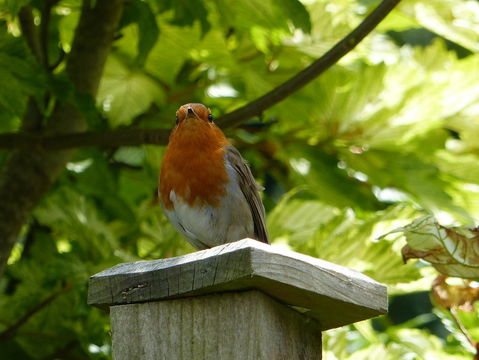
(239, 301)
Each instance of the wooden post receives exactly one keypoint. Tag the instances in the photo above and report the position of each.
(242, 300)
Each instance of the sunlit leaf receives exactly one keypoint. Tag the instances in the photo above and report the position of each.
(456, 21)
(376, 351)
(410, 173)
(126, 92)
(452, 251)
(141, 14)
(267, 14)
(333, 185)
(172, 49)
(186, 12)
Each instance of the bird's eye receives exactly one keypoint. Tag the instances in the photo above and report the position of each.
(210, 117)
(177, 120)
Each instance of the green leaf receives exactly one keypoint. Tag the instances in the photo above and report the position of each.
(310, 226)
(141, 14)
(375, 351)
(132, 156)
(97, 181)
(62, 88)
(461, 166)
(422, 344)
(458, 22)
(333, 185)
(8, 122)
(298, 14)
(298, 217)
(13, 6)
(452, 251)
(126, 92)
(69, 15)
(79, 222)
(267, 14)
(17, 69)
(186, 12)
(411, 174)
(170, 52)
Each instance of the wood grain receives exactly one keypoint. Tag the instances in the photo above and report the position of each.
(329, 293)
(235, 326)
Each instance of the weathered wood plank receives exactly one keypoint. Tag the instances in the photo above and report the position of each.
(235, 326)
(332, 294)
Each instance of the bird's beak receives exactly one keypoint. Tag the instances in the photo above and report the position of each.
(191, 113)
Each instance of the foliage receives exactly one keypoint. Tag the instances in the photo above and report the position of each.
(386, 136)
(452, 251)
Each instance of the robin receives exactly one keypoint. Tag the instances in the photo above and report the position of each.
(206, 188)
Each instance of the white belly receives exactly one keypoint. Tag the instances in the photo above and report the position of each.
(207, 226)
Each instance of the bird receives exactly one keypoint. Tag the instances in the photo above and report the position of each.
(206, 188)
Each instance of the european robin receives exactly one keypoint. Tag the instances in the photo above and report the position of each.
(206, 188)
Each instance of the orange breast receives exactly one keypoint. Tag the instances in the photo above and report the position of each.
(193, 165)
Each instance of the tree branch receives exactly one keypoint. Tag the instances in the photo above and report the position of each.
(11, 330)
(30, 32)
(304, 77)
(105, 139)
(135, 137)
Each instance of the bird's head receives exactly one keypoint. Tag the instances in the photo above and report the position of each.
(193, 111)
(195, 129)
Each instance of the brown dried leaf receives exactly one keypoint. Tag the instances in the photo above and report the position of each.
(436, 255)
(453, 296)
(452, 251)
(463, 244)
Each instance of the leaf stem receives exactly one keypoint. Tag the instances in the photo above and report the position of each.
(461, 327)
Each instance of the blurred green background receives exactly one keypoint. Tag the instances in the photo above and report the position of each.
(388, 134)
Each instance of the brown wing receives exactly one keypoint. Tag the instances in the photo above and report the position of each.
(250, 188)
